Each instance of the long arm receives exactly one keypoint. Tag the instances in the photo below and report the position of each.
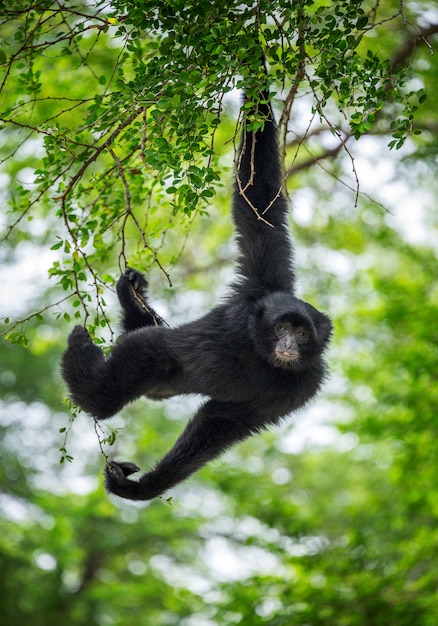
(215, 427)
(104, 386)
(260, 210)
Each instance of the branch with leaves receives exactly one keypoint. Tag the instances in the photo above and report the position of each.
(132, 150)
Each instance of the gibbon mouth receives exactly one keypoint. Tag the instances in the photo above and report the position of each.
(290, 357)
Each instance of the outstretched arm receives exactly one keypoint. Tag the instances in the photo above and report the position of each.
(215, 427)
(103, 386)
(260, 209)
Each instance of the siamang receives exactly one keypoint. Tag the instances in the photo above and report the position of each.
(256, 357)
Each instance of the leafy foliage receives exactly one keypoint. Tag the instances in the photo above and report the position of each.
(134, 141)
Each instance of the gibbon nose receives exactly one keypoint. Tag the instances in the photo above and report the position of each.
(290, 346)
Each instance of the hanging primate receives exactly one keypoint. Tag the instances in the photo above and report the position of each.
(256, 358)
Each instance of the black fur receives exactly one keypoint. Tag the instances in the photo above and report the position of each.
(232, 355)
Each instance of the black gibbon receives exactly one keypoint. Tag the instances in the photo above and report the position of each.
(256, 357)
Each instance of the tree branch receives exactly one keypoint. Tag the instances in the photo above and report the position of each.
(407, 49)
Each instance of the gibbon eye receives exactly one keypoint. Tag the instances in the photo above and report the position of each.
(302, 335)
(282, 329)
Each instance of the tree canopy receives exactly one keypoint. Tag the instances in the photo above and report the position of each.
(132, 147)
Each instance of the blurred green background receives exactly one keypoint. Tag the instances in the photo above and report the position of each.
(330, 519)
